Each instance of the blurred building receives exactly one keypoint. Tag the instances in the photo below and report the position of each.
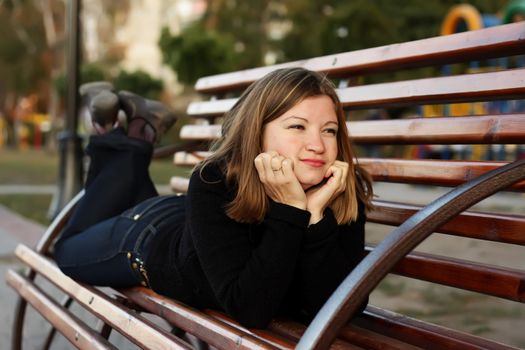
(128, 31)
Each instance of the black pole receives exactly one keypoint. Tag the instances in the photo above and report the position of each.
(70, 144)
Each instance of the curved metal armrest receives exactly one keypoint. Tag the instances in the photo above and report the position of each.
(58, 224)
(347, 298)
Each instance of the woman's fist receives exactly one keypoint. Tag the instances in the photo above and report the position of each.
(279, 180)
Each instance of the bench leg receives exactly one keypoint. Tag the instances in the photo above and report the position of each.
(105, 329)
(18, 324)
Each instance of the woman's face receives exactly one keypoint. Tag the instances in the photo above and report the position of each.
(306, 134)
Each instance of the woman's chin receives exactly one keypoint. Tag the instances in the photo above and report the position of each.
(308, 182)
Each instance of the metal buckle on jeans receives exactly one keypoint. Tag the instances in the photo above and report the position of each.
(137, 264)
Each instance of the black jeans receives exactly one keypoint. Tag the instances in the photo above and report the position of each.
(99, 245)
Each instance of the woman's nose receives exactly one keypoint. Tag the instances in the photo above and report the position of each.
(315, 143)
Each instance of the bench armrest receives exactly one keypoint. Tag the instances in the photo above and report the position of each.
(347, 298)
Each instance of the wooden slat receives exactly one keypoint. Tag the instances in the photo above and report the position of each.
(458, 88)
(136, 328)
(200, 132)
(359, 338)
(213, 332)
(457, 130)
(189, 158)
(448, 130)
(497, 41)
(280, 329)
(430, 172)
(492, 280)
(179, 184)
(202, 109)
(69, 325)
(263, 334)
(426, 335)
(369, 339)
(487, 226)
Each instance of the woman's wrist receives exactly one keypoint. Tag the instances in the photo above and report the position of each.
(296, 204)
(315, 217)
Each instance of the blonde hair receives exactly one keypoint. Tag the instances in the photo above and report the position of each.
(241, 141)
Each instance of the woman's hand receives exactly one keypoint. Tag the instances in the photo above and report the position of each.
(279, 180)
(320, 197)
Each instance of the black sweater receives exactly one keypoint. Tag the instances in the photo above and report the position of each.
(252, 271)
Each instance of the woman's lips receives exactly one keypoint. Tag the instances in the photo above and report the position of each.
(316, 163)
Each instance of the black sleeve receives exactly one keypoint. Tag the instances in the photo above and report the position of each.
(330, 252)
(249, 283)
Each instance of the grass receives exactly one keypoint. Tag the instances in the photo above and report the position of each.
(34, 207)
(37, 167)
(28, 167)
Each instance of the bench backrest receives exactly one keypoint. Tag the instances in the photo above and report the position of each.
(480, 122)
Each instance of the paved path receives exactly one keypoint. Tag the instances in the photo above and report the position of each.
(15, 229)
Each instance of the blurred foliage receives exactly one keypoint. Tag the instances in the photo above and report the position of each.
(197, 52)
(237, 34)
(88, 72)
(22, 48)
(139, 82)
(331, 26)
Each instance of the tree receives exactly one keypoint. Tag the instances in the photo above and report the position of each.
(23, 64)
(331, 26)
(139, 82)
(197, 52)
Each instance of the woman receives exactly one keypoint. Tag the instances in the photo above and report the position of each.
(272, 221)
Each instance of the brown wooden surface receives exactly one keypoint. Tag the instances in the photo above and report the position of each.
(353, 336)
(282, 342)
(430, 172)
(73, 329)
(487, 226)
(427, 172)
(190, 158)
(459, 88)
(503, 282)
(446, 130)
(451, 89)
(372, 340)
(133, 326)
(426, 335)
(497, 41)
(204, 327)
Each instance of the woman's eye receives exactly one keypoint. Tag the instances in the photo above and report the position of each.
(331, 131)
(296, 126)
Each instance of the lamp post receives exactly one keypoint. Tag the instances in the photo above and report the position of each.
(70, 144)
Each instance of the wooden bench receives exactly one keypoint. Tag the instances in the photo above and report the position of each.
(472, 180)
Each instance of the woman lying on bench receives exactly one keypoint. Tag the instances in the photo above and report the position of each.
(271, 223)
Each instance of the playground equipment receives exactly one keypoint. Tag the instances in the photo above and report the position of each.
(462, 18)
